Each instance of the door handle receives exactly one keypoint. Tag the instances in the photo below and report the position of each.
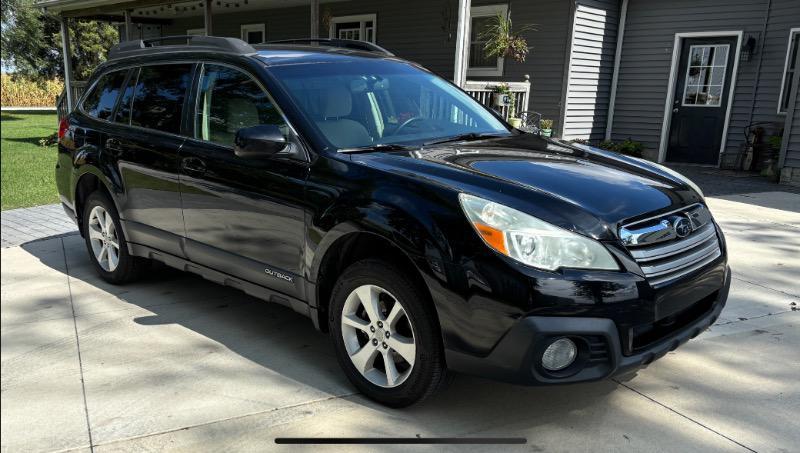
(114, 147)
(193, 166)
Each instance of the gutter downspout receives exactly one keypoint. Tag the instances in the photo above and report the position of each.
(760, 60)
(615, 76)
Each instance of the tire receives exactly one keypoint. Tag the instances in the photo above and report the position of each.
(415, 320)
(98, 233)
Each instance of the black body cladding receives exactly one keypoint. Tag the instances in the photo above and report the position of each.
(271, 225)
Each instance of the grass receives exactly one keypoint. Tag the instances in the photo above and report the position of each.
(28, 169)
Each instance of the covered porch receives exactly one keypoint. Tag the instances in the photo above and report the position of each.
(442, 35)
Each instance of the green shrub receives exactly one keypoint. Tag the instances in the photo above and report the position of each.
(628, 147)
(22, 92)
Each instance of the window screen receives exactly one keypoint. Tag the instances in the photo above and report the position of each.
(100, 102)
(158, 97)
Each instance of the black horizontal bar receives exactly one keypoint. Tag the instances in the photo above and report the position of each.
(403, 440)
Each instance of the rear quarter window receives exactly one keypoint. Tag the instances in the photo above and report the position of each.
(159, 95)
(100, 102)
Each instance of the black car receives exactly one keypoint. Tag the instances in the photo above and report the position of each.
(408, 221)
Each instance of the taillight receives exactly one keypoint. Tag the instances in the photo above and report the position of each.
(63, 125)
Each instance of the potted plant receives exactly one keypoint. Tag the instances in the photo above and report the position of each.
(546, 127)
(503, 41)
(501, 96)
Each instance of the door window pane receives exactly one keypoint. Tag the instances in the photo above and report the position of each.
(101, 101)
(230, 100)
(159, 95)
(705, 75)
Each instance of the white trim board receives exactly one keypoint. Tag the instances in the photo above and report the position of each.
(792, 32)
(676, 52)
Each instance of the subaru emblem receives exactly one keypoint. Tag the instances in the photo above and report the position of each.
(682, 227)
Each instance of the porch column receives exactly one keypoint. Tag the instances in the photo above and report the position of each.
(314, 19)
(462, 43)
(128, 25)
(207, 17)
(67, 53)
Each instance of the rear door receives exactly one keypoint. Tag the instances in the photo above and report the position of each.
(146, 153)
(244, 216)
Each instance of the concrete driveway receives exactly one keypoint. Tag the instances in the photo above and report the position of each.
(178, 363)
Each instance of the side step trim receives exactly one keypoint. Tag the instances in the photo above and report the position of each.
(221, 278)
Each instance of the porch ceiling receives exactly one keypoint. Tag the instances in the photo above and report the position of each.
(162, 9)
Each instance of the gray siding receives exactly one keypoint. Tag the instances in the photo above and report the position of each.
(590, 69)
(647, 53)
(425, 31)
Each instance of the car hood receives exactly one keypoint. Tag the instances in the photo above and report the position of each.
(610, 187)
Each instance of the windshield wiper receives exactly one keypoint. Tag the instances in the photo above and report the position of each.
(464, 137)
(378, 147)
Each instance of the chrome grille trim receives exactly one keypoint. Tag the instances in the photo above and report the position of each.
(672, 258)
(657, 253)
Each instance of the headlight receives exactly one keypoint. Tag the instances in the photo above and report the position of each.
(532, 241)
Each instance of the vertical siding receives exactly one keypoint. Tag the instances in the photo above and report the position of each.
(590, 69)
(424, 31)
(647, 53)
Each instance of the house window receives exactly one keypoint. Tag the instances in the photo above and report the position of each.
(360, 28)
(705, 75)
(789, 70)
(481, 64)
(254, 33)
(196, 31)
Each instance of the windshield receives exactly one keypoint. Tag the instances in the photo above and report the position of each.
(366, 103)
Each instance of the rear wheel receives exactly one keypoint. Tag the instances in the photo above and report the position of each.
(386, 336)
(106, 242)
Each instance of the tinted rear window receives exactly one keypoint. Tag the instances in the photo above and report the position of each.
(101, 101)
(158, 97)
(123, 114)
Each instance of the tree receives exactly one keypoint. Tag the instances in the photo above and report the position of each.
(31, 42)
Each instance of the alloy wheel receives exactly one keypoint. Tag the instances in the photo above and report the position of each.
(103, 238)
(378, 336)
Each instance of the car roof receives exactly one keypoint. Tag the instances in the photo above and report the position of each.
(283, 54)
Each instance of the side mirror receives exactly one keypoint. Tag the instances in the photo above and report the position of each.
(258, 141)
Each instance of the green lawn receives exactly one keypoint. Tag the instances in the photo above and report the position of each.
(27, 167)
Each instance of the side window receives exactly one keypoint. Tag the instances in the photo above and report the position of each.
(101, 101)
(228, 101)
(158, 97)
(123, 114)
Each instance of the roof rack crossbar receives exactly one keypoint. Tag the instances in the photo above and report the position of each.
(216, 43)
(333, 42)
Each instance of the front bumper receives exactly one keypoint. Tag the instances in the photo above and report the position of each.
(517, 356)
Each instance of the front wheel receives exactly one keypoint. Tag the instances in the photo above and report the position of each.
(386, 335)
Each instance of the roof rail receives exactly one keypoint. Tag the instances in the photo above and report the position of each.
(213, 43)
(332, 42)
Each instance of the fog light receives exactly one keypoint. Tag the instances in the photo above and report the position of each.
(559, 355)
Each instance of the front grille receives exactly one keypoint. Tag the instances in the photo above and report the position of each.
(662, 254)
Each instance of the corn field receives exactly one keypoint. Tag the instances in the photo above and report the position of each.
(20, 92)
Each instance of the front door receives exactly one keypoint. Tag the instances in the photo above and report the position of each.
(700, 105)
(243, 216)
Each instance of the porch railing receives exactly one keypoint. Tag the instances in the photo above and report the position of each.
(78, 87)
(484, 91)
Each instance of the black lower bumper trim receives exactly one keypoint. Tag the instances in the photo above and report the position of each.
(516, 357)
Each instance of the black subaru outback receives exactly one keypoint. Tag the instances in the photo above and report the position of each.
(408, 221)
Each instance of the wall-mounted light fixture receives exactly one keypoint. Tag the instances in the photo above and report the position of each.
(748, 48)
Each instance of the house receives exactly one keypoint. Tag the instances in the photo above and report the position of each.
(685, 78)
